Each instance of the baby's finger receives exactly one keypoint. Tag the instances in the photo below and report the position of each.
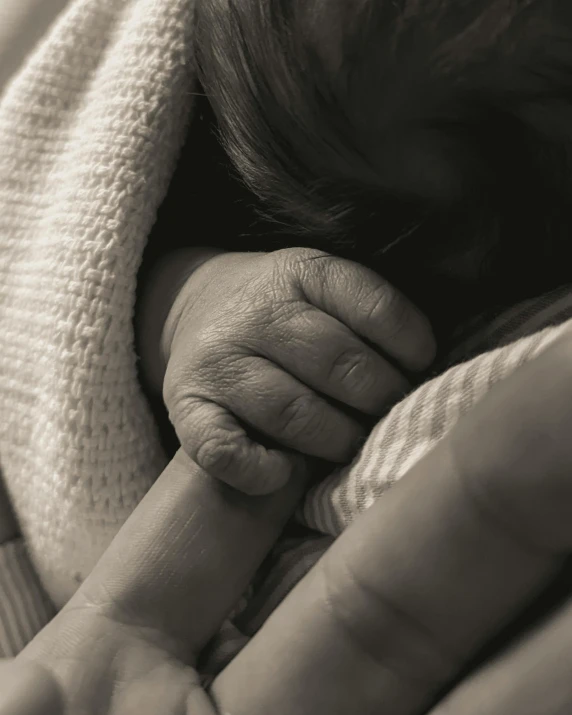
(185, 556)
(213, 438)
(275, 404)
(370, 306)
(327, 356)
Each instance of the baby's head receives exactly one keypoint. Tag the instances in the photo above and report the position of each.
(430, 127)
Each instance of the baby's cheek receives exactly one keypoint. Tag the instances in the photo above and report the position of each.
(422, 163)
(328, 23)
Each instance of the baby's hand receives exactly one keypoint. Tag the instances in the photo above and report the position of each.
(278, 345)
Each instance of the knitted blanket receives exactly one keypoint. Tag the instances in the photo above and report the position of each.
(90, 130)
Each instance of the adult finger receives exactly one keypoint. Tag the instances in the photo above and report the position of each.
(530, 677)
(326, 355)
(273, 402)
(368, 305)
(28, 689)
(186, 555)
(425, 577)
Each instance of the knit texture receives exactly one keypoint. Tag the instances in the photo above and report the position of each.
(90, 129)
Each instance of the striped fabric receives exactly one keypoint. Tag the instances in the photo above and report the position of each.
(490, 351)
(24, 606)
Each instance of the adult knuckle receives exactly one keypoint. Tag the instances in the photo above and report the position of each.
(340, 591)
(355, 606)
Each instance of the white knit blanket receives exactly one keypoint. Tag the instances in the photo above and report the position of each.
(90, 130)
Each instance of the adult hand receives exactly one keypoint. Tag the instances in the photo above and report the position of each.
(28, 689)
(530, 676)
(409, 594)
(388, 617)
(126, 643)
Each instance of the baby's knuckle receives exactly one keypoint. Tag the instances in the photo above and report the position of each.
(213, 337)
(222, 366)
(168, 390)
(178, 390)
(351, 368)
(301, 254)
(172, 383)
(182, 408)
(282, 326)
(219, 371)
(303, 263)
(217, 453)
(300, 415)
(385, 306)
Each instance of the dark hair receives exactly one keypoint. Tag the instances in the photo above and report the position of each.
(443, 121)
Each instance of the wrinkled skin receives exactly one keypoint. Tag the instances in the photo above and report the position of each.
(263, 340)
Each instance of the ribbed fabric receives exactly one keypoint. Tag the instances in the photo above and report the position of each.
(24, 605)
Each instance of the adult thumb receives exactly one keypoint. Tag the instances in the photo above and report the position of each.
(187, 553)
(28, 689)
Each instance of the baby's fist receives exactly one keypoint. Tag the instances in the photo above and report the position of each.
(286, 348)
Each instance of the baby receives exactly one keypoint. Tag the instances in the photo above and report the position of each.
(432, 138)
